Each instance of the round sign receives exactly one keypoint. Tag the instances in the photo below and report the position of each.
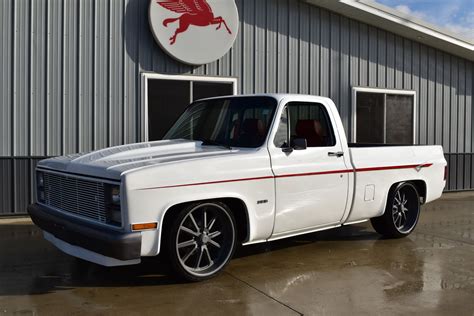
(195, 32)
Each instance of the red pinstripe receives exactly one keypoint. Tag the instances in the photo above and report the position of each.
(426, 165)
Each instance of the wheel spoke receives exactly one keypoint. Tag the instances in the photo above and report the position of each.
(189, 231)
(394, 210)
(213, 221)
(208, 256)
(214, 234)
(215, 244)
(399, 220)
(205, 220)
(398, 198)
(187, 243)
(200, 258)
(404, 216)
(194, 222)
(190, 253)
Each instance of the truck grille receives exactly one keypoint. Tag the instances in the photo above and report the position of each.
(71, 195)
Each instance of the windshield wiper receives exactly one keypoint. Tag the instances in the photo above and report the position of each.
(208, 142)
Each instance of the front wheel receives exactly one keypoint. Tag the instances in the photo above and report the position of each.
(201, 240)
(401, 213)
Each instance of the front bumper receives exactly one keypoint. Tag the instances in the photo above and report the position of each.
(105, 242)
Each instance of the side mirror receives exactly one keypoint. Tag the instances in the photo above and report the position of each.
(299, 144)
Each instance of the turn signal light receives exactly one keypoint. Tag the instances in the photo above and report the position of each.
(144, 226)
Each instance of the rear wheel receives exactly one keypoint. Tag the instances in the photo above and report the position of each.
(202, 240)
(401, 213)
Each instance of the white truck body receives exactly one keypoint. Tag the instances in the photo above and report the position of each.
(284, 194)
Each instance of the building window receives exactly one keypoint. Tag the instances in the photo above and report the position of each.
(384, 116)
(165, 97)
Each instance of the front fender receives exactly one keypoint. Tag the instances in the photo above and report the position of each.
(153, 205)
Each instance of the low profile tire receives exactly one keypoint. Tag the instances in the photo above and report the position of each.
(201, 240)
(401, 213)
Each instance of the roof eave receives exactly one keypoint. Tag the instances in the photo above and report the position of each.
(393, 21)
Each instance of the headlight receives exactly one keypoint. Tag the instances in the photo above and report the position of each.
(113, 209)
(40, 177)
(114, 216)
(115, 195)
(40, 187)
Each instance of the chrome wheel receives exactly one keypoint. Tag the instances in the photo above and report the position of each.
(401, 211)
(205, 239)
(405, 209)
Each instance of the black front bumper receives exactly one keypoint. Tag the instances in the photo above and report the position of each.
(98, 239)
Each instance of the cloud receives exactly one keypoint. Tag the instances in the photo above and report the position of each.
(406, 10)
(464, 31)
(465, 26)
(456, 16)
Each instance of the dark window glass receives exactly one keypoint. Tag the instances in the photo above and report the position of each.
(167, 99)
(309, 121)
(236, 122)
(202, 90)
(399, 119)
(370, 117)
(384, 118)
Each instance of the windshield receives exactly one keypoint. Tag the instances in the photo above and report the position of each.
(230, 122)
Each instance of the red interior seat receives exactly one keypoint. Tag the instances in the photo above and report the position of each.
(253, 132)
(312, 130)
(253, 127)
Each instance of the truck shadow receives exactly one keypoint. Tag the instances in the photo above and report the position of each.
(345, 233)
(30, 265)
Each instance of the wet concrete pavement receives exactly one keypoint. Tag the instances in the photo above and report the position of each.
(346, 270)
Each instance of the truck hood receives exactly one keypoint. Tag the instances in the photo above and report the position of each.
(111, 163)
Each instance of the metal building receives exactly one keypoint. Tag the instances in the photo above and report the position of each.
(79, 75)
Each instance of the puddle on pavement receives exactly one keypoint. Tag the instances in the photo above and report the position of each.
(344, 270)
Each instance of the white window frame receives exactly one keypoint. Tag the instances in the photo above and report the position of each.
(145, 76)
(355, 90)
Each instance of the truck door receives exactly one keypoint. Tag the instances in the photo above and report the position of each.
(311, 183)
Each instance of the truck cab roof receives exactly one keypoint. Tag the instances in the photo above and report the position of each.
(277, 96)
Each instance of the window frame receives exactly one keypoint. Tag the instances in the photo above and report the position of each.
(286, 109)
(288, 130)
(356, 90)
(145, 76)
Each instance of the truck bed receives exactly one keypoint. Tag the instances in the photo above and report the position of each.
(365, 145)
(378, 166)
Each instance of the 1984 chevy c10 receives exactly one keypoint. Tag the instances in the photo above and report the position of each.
(232, 170)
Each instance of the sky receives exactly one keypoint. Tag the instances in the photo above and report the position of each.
(456, 16)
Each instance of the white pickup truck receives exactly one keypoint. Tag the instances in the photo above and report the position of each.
(232, 170)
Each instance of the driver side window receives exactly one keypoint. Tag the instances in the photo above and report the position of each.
(305, 120)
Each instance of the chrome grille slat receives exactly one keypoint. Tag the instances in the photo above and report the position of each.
(76, 196)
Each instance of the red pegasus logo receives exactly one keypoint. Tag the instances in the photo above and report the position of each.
(195, 12)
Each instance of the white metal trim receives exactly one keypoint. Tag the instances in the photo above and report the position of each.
(145, 76)
(355, 90)
(391, 20)
(410, 21)
(77, 176)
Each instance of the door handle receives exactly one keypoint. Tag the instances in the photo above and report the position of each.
(336, 154)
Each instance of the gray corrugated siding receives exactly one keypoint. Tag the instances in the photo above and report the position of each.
(70, 76)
